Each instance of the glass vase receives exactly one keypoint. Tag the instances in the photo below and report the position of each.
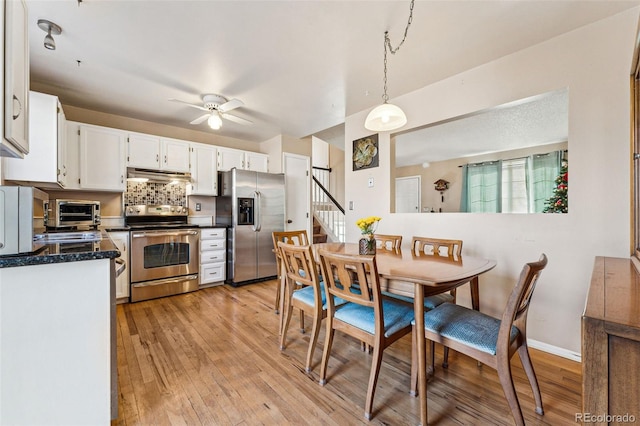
(367, 244)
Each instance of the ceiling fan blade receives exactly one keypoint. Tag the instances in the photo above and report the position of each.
(236, 119)
(200, 119)
(229, 105)
(189, 104)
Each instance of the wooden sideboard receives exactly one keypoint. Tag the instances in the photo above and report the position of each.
(611, 343)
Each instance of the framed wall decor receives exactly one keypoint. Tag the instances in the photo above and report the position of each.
(365, 152)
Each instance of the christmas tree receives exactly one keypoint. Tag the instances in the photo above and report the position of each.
(559, 202)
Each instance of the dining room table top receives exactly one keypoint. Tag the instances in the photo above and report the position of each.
(425, 269)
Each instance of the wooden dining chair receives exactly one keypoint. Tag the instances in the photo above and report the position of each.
(299, 238)
(368, 316)
(388, 242)
(304, 291)
(489, 340)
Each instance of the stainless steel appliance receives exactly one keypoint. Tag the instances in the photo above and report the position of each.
(252, 205)
(164, 251)
(73, 214)
(19, 206)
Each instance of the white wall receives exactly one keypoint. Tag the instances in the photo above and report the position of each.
(594, 62)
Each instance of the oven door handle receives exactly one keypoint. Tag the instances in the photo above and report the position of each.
(162, 234)
(258, 219)
(167, 281)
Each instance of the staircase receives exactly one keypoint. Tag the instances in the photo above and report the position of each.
(319, 236)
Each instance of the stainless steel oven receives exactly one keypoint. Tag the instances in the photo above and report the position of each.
(164, 256)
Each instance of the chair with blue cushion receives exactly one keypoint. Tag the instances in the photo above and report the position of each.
(490, 340)
(299, 238)
(304, 291)
(368, 316)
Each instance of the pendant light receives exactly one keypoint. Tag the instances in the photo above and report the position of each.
(388, 116)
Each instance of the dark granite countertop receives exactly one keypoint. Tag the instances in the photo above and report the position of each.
(64, 252)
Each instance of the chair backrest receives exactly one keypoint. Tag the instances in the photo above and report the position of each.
(300, 265)
(436, 246)
(298, 238)
(515, 313)
(388, 242)
(352, 278)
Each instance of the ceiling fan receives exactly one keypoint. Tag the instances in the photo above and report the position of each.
(217, 108)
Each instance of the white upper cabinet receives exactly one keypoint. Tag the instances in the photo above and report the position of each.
(102, 158)
(45, 165)
(15, 140)
(156, 153)
(204, 173)
(229, 158)
(175, 155)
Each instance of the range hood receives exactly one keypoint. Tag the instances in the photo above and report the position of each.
(157, 176)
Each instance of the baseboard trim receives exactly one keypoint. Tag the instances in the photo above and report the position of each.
(555, 350)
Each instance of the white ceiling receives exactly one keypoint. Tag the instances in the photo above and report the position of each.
(534, 121)
(300, 67)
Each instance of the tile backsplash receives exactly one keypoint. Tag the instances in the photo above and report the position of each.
(174, 194)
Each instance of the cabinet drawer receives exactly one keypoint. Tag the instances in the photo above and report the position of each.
(212, 233)
(212, 273)
(212, 256)
(212, 245)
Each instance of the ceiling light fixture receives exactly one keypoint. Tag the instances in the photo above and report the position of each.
(214, 121)
(50, 28)
(387, 116)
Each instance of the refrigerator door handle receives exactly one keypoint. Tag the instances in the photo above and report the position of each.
(258, 216)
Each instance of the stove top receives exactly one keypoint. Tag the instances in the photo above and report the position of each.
(157, 217)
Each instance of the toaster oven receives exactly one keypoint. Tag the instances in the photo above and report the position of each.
(73, 213)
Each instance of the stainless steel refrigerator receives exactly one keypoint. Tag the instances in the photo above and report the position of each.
(251, 204)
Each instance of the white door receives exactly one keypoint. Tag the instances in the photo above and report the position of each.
(408, 194)
(297, 172)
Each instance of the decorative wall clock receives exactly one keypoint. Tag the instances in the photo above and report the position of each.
(365, 152)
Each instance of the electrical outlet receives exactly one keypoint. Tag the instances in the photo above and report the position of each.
(370, 182)
(198, 207)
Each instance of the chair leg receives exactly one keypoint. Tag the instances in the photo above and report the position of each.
(445, 361)
(432, 356)
(327, 351)
(376, 361)
(506, 380)
(301, 321)
(523, 352)
(315, 331)
(285, 319)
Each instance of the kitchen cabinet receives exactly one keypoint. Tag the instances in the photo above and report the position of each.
(204, 172)
(121, 240)
(212, 256)
(229, 158)
(156, 153)
(45, 165)
(102, 158)
(15, 141)
(72, 155)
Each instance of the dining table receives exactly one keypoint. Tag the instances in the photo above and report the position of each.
(430, 274)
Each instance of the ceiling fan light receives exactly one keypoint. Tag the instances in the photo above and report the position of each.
(215, 122)
(385, 117)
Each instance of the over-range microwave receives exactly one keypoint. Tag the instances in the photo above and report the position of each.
(19, 206)
(73, 213)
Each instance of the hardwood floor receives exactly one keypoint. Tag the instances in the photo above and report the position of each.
(211, 357)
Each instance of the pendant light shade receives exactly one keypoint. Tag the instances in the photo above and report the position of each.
(385, 117)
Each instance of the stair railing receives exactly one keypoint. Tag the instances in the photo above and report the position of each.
(326, 209)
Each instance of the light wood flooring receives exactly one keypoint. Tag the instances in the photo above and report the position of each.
(212, 358)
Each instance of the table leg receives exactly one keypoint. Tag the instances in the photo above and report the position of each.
(418, 306)
(475, 294)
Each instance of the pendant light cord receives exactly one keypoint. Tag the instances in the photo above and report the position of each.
(387, 45)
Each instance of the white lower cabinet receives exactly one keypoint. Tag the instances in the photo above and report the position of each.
(121, 240)
(212, 256)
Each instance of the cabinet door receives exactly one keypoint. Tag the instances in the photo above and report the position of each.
(175, 155)
(102, 158)
(204, 172)
(62, 145)
(121, 240)
(16, 80)
(256, 162)
(72, 143)
(143, 151)
(229, 158)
